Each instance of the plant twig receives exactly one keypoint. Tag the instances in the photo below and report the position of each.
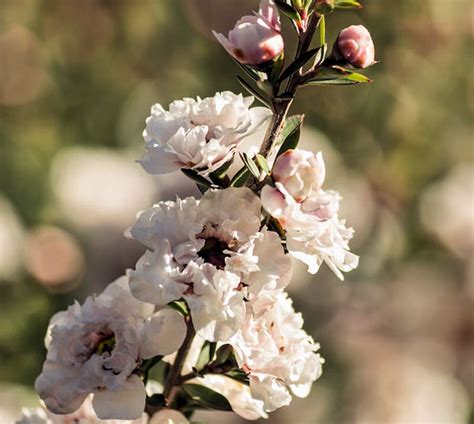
(281, 105)
(175, 372)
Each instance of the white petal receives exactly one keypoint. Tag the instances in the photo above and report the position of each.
(151, 281)
(157, 161)
(125, 404)
(163, 334)
(168, 416)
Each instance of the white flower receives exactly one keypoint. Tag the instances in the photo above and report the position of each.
(84, 415)
(255, 39)
(199, 134)
(314, 231)
(97, 347)
(237, 393)
(212, 253)
(275, 351)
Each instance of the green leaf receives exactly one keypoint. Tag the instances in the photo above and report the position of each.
(298, 63)
(250, 164)
(179, 306)
(238, 375)
(157, 400)
(240, 178)
(290, 135)
(198, 179)
(347, 4)
(248, 70)
(277, 67)
(321, 55)
(253, 91)
(206, 397)
(206, 355)
(223, 354)
(287, 10)
(220, 172)
(336, 75)
(322, 31)
(262, 163)
(150, 363)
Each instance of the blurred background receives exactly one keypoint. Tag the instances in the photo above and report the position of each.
(77, 79)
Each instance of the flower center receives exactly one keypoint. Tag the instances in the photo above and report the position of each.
(213, 252)
(106, 345)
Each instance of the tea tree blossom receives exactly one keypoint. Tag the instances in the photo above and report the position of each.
(309, 214)
(255, 39)
(275, 351)
(97, 347)
(199, 134)
(355, 45)
(207, 301)
(212, 253)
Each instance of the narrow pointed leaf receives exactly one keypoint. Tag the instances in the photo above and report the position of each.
(347, 4)
(253, 91)
(322, 31)
(238, 375)
(336, 75)
(289, 136)
(250, 164)
(248, 70)
(179, 306)
(287, 10)
(262, 163)
(298, 63)
(206, 355)
(240, 178)
(206, 397)
(198, 179)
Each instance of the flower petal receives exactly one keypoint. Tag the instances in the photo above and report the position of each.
(128, 403)
(163, 334)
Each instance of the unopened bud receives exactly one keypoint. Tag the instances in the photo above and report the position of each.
(300, 171)
(355, 46)
(255, 39)
(324, 6)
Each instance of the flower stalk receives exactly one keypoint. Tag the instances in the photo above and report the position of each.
(174, 375)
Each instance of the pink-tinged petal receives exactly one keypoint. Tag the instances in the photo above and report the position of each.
(128, 403)
(269, 12)
(163, 334)
(355, 45)
(157, 161)
(168, 416)
(273, 202)
(255, 39)
(225, 42)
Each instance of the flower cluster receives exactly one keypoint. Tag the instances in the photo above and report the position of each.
(309, 214)
(207, 302)
(212, 253)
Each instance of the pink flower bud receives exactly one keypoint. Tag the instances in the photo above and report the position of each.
(355, 45)
(300, 171)
(255, 39)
